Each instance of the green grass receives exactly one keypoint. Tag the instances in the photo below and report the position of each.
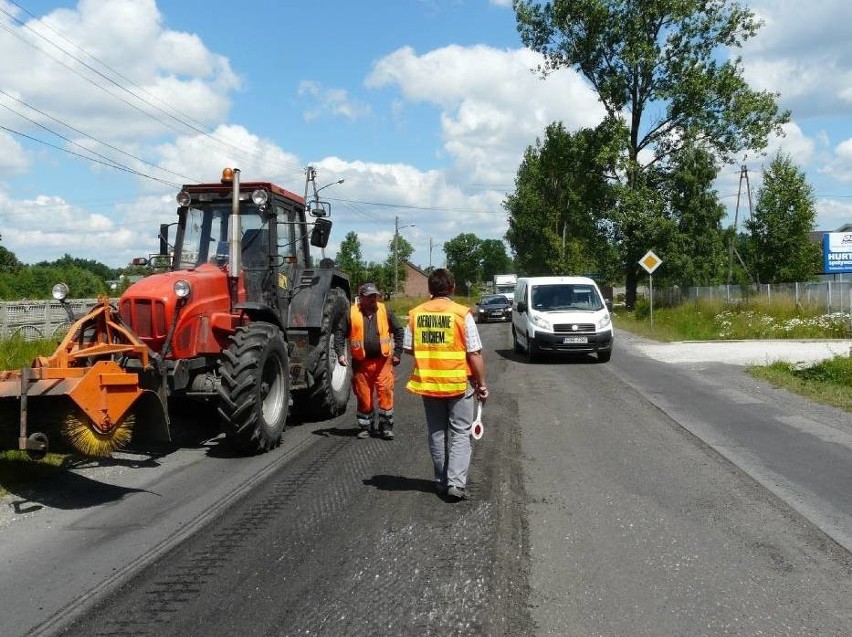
(16, 352)
(15, 466)
(828, 382)
(16, 469)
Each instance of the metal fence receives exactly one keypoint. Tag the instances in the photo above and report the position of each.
(833, 296)
(34, 320)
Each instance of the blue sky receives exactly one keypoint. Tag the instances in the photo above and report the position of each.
(424, 107)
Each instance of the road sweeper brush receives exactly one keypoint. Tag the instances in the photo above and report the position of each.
(86, 390)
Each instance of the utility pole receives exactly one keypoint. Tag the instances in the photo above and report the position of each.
(732, 249)
(395, 256)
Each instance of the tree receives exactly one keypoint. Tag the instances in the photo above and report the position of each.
(349, 259)
(494, 259)
(400, 251)
(464, 260)
(696, 255)
(557, 215)
(780, 227)
(660, 64)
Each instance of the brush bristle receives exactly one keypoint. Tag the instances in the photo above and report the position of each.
(80, 434)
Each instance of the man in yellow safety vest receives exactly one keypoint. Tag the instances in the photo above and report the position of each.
(449, 374)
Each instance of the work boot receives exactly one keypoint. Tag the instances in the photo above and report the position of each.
(386, 424)
(365, 425)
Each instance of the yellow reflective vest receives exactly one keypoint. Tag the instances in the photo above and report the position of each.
(440, 351)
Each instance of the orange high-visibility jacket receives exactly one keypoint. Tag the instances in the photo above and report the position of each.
(356, 332)
(440, 352)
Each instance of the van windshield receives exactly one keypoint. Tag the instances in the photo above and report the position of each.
(566, 296)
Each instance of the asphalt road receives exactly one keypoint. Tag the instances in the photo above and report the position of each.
(646, 496)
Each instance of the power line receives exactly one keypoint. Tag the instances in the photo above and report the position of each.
(109, 163)
(84, 134)
(196, 128)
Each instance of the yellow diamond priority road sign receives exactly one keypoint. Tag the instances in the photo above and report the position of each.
(650, 262)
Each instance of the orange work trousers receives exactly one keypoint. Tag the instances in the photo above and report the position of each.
(373, 375)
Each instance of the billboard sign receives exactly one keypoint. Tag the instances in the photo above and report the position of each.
(837, 252)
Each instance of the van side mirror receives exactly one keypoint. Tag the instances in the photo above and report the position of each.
(608, 303)
(522, 306)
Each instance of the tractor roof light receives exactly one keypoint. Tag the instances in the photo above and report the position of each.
(60, 291)
(183, 198)
(260, 197)
(227, 175)
(182, 288)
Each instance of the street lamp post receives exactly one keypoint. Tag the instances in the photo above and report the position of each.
(396, 230)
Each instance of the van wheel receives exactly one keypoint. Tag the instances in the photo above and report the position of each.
(516, 346)
(532, 351)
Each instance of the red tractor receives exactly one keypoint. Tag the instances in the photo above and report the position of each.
(242, 318)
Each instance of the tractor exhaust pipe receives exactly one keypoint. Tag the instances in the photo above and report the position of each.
(234, 240)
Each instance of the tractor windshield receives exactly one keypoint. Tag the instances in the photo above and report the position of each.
(205, 237)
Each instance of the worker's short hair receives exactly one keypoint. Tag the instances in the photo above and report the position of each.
(441, 282)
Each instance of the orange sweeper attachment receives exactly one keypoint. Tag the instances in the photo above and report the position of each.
(89, 391)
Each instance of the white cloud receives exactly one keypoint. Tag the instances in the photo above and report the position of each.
(492, 105)
(803, 52)
(13, 158)
(78, 52)
(334, 101)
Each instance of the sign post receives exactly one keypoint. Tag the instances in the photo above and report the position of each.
(651, 262)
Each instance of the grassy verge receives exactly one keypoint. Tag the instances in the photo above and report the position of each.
(16, 469)
(828, 382)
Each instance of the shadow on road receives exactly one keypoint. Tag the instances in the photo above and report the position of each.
(400, 483)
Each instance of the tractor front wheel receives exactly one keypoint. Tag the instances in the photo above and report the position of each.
(254, 396)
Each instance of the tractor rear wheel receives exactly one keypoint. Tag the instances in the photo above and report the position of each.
(328, 395)
(254, 396)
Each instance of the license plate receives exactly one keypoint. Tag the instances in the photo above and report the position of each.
(496, 313)
(575, 339)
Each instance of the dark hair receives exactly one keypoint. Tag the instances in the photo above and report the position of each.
(441, 282)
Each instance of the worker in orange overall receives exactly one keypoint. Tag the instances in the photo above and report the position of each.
(375, 340)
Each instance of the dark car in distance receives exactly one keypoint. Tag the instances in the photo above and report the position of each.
(493, 307)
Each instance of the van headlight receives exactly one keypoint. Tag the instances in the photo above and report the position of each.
(604, 322)
(540, 321)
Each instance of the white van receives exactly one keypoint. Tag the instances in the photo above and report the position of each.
(560, 314)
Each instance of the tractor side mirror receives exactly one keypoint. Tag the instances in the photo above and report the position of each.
(321, 233)
(319, 209)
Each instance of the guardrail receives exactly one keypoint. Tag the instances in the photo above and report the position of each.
(34, 320)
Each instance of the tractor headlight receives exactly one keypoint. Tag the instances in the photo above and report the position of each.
(182, 288)
(60, 291)
(260, 197)
(183, 198)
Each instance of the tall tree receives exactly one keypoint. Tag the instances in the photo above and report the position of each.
(494, 259)
(696, 255)
(400, 251)
(464, 260)
(349, 259)
(660, 64)
(784, 216)
(563, 194)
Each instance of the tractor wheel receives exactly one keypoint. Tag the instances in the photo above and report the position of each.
(254, 395)
(328, 396)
